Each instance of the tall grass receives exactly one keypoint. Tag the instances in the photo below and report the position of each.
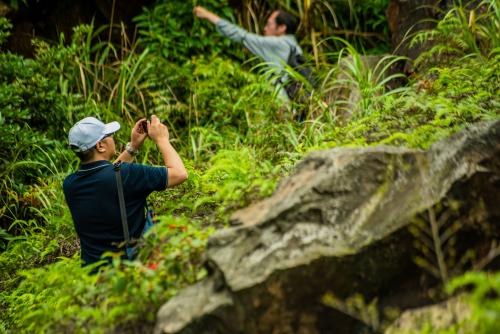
(353, 84)
(115, 74)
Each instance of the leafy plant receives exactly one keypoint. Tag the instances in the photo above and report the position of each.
(46, 234)
(5, 27)
(483, 299)
(170, 30)
(32, 122)
(4, 238)
(354, 73)
(463, 32)
(435, 238)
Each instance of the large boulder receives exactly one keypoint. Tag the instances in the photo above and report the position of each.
(336, 226)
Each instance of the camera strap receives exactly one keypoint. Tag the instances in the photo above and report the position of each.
(121, 201)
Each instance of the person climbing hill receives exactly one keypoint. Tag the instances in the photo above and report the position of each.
(276, 45)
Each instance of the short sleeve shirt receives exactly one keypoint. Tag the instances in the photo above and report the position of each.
(92, 197)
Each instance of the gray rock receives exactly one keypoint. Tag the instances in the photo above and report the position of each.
(335, 225)
(438, 317)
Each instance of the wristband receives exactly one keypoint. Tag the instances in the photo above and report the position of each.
(130, 150)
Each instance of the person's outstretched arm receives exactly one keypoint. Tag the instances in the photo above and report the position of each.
(205, 14)
(158, 132)
(262, 46)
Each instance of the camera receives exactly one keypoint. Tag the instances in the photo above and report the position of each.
(144, 125)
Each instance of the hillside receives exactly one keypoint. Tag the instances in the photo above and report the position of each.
(238, 142)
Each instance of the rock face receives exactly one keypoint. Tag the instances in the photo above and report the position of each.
(337, 225)
(439, 317)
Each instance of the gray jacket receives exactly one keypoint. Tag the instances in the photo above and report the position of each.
(272, 49)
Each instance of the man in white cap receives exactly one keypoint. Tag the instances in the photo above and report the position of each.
(91, 192)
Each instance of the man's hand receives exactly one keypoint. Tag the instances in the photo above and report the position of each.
(205, 14)
(138, 136)
(157, 132)
(200, 12)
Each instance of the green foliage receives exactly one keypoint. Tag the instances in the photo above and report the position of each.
(463, 32)
(234, 175)
(359, 73)
(108, 80)
(45, 235)
(437, 105)
(32, 125)
(176, 247)
(221, 105)
(5, 27)
(171, 31)
(483, 299)
(230, 180)
(4, 238)
(62, 297)
(36, 109)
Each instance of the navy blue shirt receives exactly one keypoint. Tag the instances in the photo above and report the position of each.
(92, 197)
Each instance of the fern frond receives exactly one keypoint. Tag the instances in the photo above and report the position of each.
(423, 37)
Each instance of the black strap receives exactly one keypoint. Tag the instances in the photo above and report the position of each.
(121, 200)
(293, 51)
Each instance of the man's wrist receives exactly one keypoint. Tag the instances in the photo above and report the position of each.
(131, 149)
(161, 140)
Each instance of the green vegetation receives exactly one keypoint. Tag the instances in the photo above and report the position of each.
(483, 300)
(236, 139)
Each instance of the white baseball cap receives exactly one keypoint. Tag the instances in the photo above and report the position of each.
(87, 132)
